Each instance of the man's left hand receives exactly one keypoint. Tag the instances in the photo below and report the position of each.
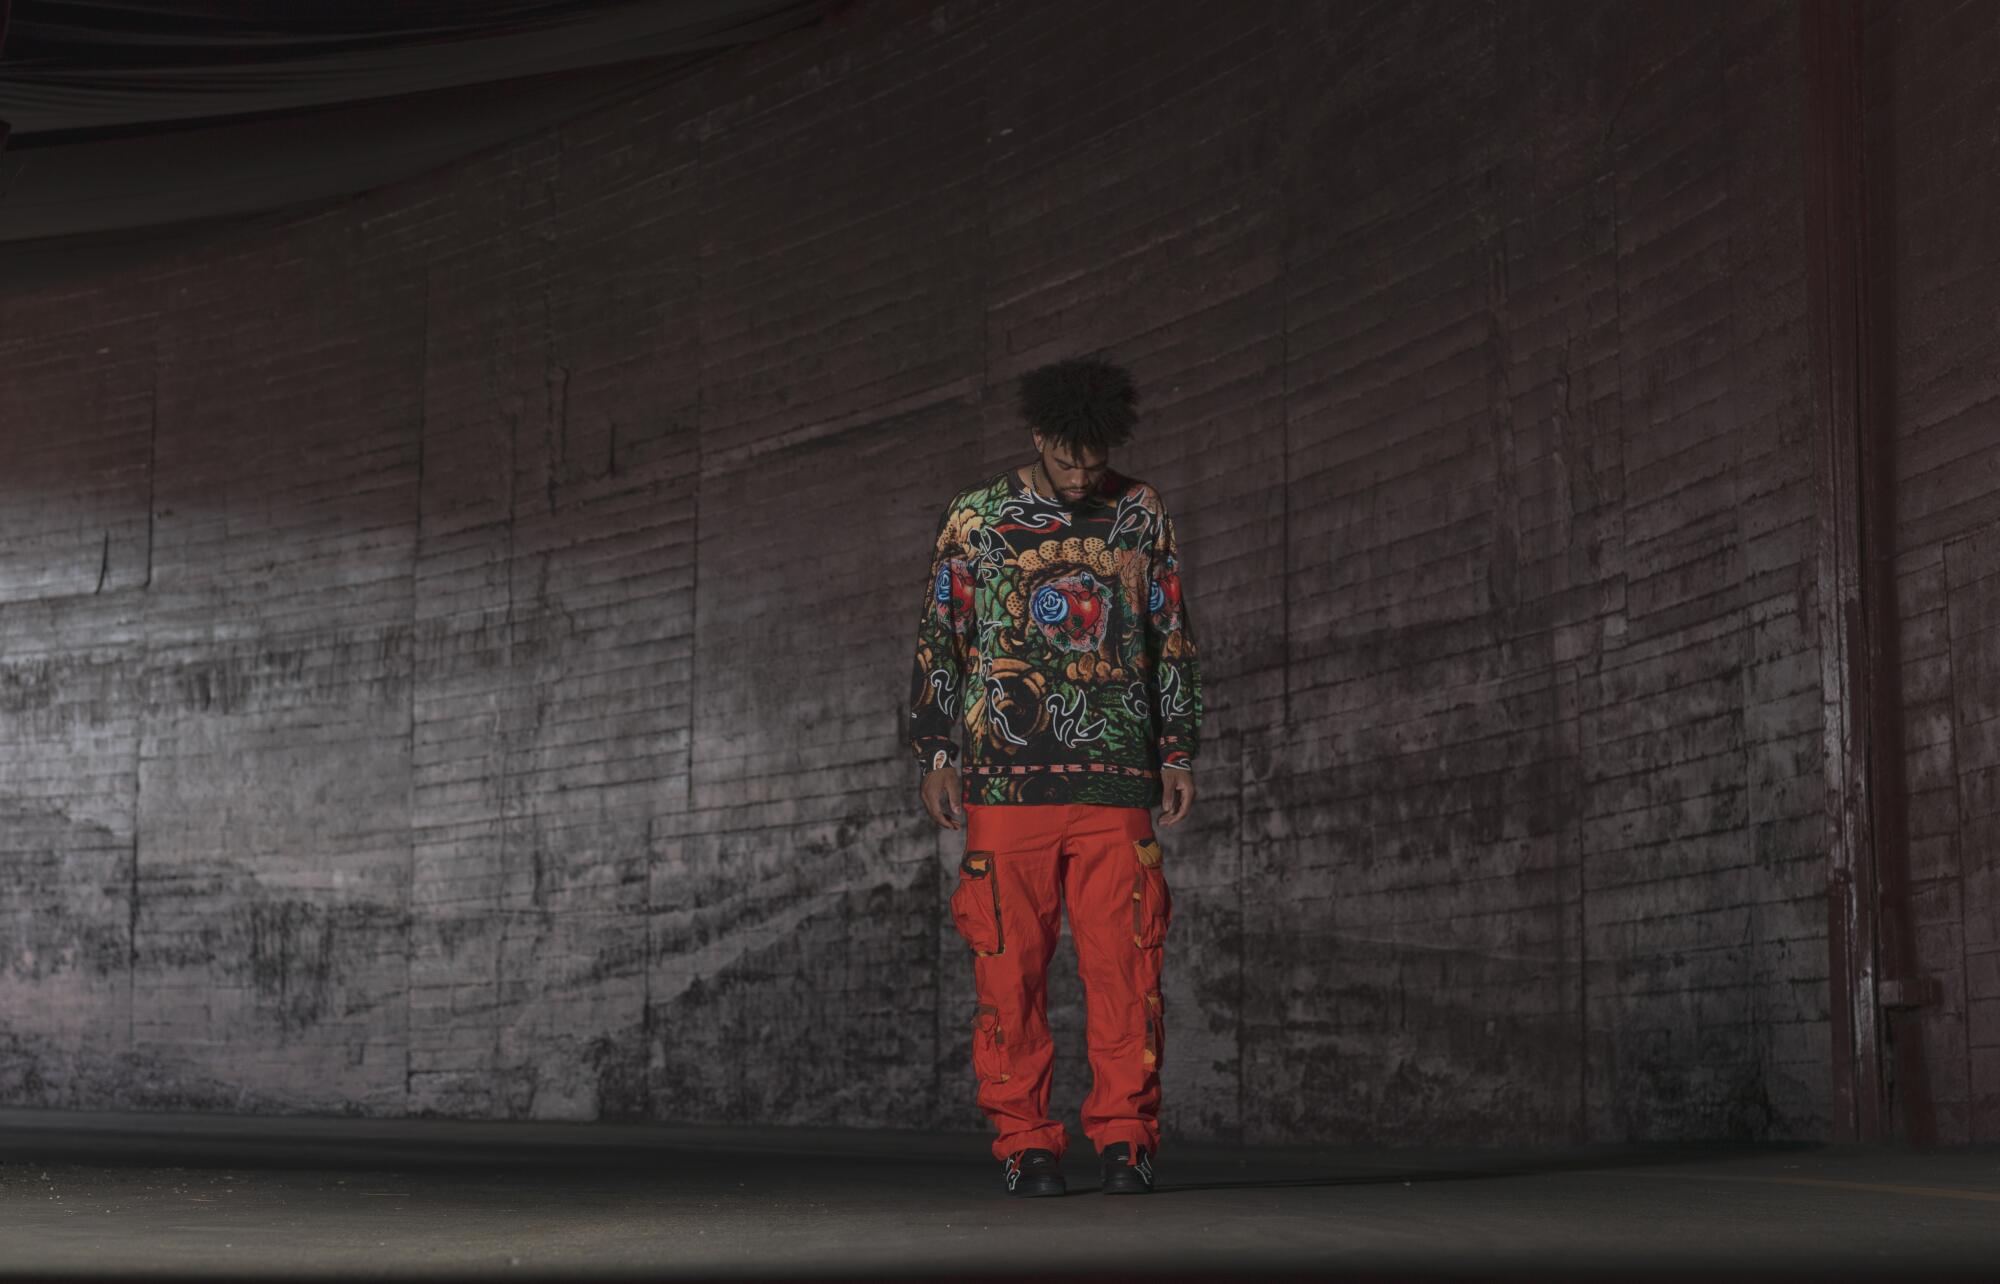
(1176, 793)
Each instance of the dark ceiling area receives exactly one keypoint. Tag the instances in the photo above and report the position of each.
(127, 117)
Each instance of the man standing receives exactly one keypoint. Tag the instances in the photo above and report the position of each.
(1055, 633)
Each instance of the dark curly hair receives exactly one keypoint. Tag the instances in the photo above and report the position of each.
(1083, 402)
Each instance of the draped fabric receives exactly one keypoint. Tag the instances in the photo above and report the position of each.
(129, 115)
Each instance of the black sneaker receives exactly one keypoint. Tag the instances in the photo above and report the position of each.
(1034, 1171)
(1124, 1175)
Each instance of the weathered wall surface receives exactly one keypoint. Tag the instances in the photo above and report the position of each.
(1530, 813)
(1936, 254)
(452, 644)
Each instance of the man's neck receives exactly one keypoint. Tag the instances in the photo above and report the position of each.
(1031, 476)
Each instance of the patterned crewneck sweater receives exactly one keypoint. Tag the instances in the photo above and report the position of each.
(1057, 636)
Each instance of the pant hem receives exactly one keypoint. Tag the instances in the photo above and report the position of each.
(1136, 1137)
(1056, 1142)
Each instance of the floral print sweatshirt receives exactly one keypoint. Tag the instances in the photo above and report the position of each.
(1057, 636)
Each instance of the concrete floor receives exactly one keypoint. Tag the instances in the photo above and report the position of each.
(160, 1196)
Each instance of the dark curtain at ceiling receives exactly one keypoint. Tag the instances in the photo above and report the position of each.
(130, 116)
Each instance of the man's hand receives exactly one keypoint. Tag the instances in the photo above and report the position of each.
(940, 795)
(1176, 793)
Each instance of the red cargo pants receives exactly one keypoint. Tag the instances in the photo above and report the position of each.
(1022, 862)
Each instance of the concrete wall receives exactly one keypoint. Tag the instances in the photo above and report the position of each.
(377, 587)
(1931, 102)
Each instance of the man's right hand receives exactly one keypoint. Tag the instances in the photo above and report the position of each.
(940, 794)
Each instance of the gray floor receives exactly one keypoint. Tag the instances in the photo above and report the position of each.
(205, 1196)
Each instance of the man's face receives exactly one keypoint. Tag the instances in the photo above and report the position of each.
(1073, 475)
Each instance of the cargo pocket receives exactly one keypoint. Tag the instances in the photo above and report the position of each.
(1152, 903)
(1156, 1030)
(975, 904)
(989, 1045)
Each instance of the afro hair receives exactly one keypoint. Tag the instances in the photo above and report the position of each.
(1083, 402)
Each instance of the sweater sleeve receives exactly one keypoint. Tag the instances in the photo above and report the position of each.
(937, 674)
(1176, 666)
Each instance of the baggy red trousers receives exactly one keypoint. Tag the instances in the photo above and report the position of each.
(1022, 863)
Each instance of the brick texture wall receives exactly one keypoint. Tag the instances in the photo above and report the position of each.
(379, 586)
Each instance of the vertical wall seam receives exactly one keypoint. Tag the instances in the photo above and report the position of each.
(152, 468)
(1746, 649)
(1830, 42)
(1609, 179)
(1276, 122)
(503, 732)
(416, 572)
(139, 720)
(1966, 1049)
(697, 475)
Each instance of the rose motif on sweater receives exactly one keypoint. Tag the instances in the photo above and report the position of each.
(951, 594)
(1073, 611)
(1165, 598)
